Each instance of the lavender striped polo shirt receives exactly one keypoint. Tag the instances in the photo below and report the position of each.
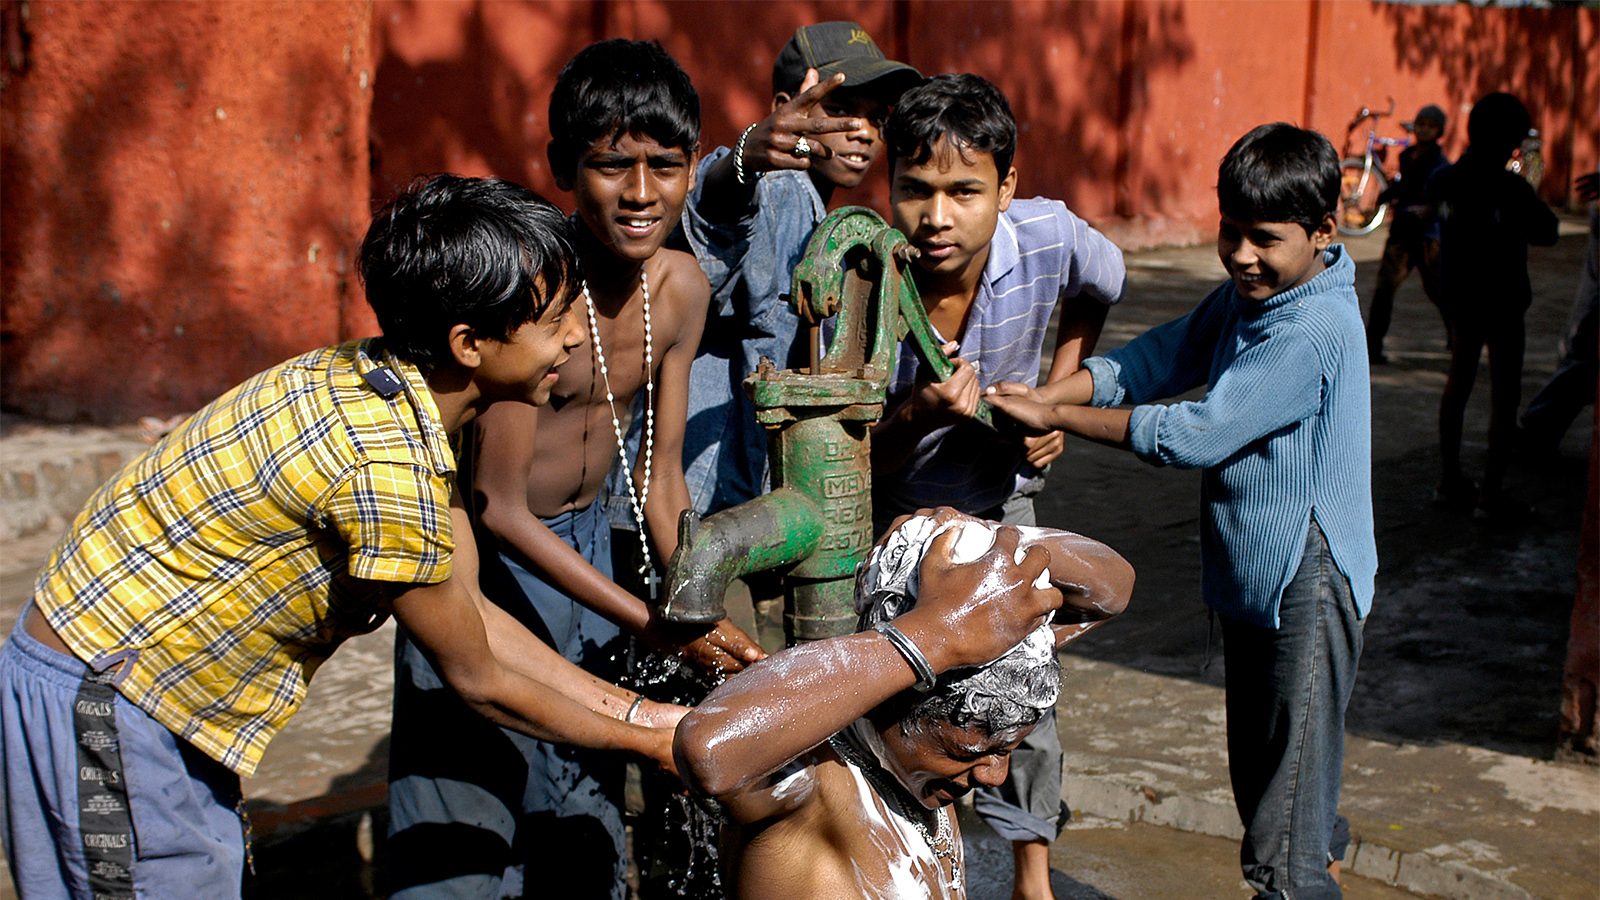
(1040, 253)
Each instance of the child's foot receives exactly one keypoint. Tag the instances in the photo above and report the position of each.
(1455, 492)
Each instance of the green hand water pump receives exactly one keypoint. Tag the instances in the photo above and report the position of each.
(815, 524)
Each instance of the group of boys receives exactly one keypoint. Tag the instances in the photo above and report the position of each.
(173, 631)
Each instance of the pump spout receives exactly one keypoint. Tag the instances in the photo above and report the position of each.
(773, 531)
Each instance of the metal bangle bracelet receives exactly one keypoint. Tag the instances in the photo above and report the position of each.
(914, 657)
(738, 158)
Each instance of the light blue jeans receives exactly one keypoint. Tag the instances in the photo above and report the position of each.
(1287, 690)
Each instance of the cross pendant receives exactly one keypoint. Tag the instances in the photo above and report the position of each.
(651, 581)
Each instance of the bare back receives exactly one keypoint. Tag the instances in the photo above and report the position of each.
(835, 835)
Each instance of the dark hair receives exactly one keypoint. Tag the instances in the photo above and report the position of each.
(1497, 124)
(620, 87)
(451, 250)
(966, 110)
(1279, 173)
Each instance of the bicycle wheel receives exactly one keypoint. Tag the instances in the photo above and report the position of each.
(1359, 187)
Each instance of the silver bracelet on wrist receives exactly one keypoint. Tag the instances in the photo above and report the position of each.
(638, 701)
(738, 158)
(912, 653)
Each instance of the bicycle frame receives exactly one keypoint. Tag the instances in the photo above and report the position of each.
(1360, 213)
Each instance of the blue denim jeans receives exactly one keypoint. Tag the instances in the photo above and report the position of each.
(1287, 690)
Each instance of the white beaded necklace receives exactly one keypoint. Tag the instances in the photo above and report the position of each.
(636, 499)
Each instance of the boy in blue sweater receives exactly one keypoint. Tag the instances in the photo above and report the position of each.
(1283, 436)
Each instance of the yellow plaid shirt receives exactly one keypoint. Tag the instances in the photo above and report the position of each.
(222, 566)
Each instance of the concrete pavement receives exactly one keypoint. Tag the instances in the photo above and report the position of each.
(1450, 784)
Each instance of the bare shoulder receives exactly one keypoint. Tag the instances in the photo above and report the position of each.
(503, 423)
(676, 279)
(679, 290)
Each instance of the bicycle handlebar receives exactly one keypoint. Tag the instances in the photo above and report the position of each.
(1367, 112)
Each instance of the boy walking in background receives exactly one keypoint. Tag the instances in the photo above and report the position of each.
(624, 123)
(173, 632)
(1283, 439)
(1489, 217)
(991, 272)
(1413, 241)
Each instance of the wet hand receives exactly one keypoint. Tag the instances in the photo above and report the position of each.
(659, 715)
(772, 144)
(656, 746)
(718, 651)
(969, 613)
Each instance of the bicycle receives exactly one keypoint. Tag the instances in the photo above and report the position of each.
(1362, 180)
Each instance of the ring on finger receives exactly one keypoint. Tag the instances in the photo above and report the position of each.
(802, 148)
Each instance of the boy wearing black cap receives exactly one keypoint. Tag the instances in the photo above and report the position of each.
(1414, 233)
(748, 219)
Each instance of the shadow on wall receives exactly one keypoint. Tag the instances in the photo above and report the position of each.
(465, 88)
(168, 214)
(1535, 54)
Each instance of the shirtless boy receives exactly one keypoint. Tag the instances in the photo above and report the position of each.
(838, 760)
(624, 123)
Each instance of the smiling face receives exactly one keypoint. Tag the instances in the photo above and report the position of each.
(938, 762)
(525, 365)
(853, 151)
(948, 206)
(1268, 258)
(629, 192)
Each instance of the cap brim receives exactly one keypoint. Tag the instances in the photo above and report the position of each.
(884, 73)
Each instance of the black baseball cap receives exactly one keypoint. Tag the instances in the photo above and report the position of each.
(1429, 113)
(831, 47)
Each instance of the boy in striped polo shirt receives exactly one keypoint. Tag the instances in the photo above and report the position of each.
(991, 272)
(1283, 439)
(175, 628)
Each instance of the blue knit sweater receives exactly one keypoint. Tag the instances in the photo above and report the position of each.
(1283, 433)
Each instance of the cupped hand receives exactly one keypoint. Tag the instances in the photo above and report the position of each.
(970, 613)
(719, 651)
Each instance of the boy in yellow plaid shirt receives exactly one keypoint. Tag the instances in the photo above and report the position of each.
(175, 628)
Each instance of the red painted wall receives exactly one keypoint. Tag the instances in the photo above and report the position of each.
(154, 251)
(183, 185)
